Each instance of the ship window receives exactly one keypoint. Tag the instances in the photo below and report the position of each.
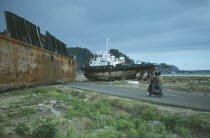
(73, 62)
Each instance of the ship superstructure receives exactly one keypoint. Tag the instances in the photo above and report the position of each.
(104, 58)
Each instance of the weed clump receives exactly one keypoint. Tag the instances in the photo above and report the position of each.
(1, 131)
(90, 109)
(44, 128)
(39, 90)
(22, 129)
(109, 133)
(27, 111)
(78, 94)
(182, 131)
(2, 118)
(124, 125)
(74, 133)
(171, 121)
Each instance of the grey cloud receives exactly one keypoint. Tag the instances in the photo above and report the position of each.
(133, 26)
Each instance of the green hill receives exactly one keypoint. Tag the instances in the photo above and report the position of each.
(162, 67)
(83, 56)
(117, 54)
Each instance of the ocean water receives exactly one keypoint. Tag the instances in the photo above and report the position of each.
(194, 73)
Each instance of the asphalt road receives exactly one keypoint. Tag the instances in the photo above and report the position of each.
(175, 99)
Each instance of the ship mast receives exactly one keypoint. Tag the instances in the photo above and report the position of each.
(107, 45)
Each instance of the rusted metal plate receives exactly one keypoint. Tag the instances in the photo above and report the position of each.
(23, 30)
(21, 63)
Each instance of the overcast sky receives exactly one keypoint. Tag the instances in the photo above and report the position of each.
(174, 32)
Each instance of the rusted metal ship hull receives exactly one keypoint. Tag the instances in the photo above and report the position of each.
(29, 58)
(121, 72)
(23, 64)
(114, 75)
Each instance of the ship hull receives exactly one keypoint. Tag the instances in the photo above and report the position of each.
(111, 75)
(121, 72)
(22, 65)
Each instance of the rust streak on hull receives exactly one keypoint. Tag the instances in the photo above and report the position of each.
(22, 64)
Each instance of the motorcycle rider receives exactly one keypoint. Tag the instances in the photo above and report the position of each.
(158, 83)
(152, 80)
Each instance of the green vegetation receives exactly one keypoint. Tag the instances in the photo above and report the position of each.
(44, 128)
(164, 67)
(190, 84)
(83, 56)
(118, 54)
(200, 84)
(1, 131)
(72, 132)
(181, 124)
(27, 111)
(119, 83)
(2, 118)
(22, 129)
(89, 109)
(90, 114)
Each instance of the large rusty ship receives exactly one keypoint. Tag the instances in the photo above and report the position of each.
(105, 66)
(28, 57)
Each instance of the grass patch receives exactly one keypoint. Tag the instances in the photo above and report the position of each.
(2, 131)
(102, 117)
(171, 121)
(15, 106)
(90, 109)
(40, 90)
(8, 123)
(183, 125)
(22, 129)
(44, 128)
(200, 84)
(49, 93)
(108, 133)
(72, 132)
(27, 111)
(78, 94)
(124, 125)
(2, 118)
(182, 131)
(119, 83)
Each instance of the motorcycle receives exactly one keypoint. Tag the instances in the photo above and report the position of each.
(158, 90)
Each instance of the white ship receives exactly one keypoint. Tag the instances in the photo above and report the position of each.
(104, 66)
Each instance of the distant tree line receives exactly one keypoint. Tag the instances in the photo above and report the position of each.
(82, 55)
(118, 54)
(166, 68)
